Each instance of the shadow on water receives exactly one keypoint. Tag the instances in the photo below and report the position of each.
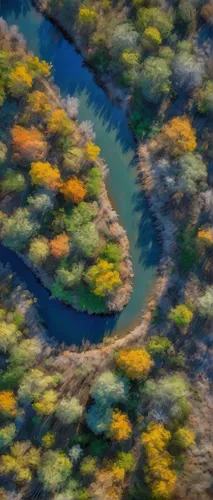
(118, 151)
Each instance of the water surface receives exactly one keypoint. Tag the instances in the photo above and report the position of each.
(117, 149)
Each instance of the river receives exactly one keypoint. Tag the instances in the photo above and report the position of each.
(117, 149)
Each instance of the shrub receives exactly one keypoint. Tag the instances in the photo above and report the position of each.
(179, 136)
(74, 190)
(20, 82)
(60, 246)
(18, 229)
(120, 427)
(181, 315)
(69, 411)
(155, 79)
(109, 388)
(103, 279)
(54, 470)
(136, 363)
(69, 278)
(86, 239)
(39, 250)
(46, 175)
(29, 144)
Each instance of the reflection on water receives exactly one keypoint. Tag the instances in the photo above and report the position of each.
(118, 150)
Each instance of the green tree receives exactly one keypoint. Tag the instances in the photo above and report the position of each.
(109, 388)
(69, 411)
(80, 216)
(181, 315)
(112, 253)
(25, 354)
(39, 250)
(94, 182)
(205, 100)
(86, 239)
(13, 181)
(158, 346)
(7, 435)
(155, 79)
(18, 229)
(54, 471)
(88, 466)
(205, 303)
(192, 173)
(157, 18)
(9, 335)
(33, 384)
(124, 37)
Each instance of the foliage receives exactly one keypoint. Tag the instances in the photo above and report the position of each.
(91, 151)
(94, 182)
(99, 418)
(192, 173)
(25, 353)
(38, 103)
(37, 68)
(205, 99)
(125, 461)
(8, 404)
(87, 17)
(205, 303)
(48, 440)
(86, 239)
(29, 144)
(73, 158)
(124, 37)
(120, 427)
(39, 250)
(156, 18)
(3, 152)
(136, 363)
(112, 253)
(54, 470)
(20, 82)
(69, 411)
(80, 215)
(22, 461)
(103, 279)
(33, 385)
(151, 37)
(68, 278)
(179, 136)
(9, 334)
(13, 182)
(74, 190)
(158, 346)
(60, 246)
(88, 466)
(155, 79)
(18, 229)
(40, 203)
(7, 435)
(183, 438)
(45, 174)
(60, 124)
(109, 388)
(188, 72)
(181, 315)
(46, 404)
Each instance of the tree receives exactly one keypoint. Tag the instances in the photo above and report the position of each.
(136, 363)
(60, 246)
(33, 385)
(112, 253)
(205, 236)
(125, 461)
(69, 278)
(37, 68)
(130, 58)
(69, 411)
(205, 99)
(94, 182)
(73, 158)
(156, 18)
(81, 215)
(13, 182)
(103, 279)
(87, 17)
(46, 405)
(54, 470)
(25, 354)
(38, 102)
(158, 346)
(60, 123)
(205, 303)
(124, 37)
(3, 152)
(40, 203)
(39, 250)
(188, 72)
(7, 436)
(74, 190)
(18, 229)
(120, 427)
(45, 174)
(86, 239)
(109, 388)
(206, 12)
(155, 78)
(9, 335)
(192, 173)
(8, 404)
(29, 144)
(91, 152)
(23, 460)
(179, 136)
(99, 418)
(183, 438)
(151, 37)
(186, 12)
(48, 440)
(88, 466)
(181, 315)
(20, 82)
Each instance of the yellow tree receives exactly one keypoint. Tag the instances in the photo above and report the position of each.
(38, 102)
(120, 428)
(60, 123)
(179, 136)
(8, 404)
(20, 81)
(103, 278)
(135, 362)
(45, 174)
(91, 151)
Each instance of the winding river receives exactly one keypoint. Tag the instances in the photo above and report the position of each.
(118, 149)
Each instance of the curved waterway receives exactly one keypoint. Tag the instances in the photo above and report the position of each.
(118, 149)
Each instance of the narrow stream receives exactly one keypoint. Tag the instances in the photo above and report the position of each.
(117, 148)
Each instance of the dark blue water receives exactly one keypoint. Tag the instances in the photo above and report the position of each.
(117, 148)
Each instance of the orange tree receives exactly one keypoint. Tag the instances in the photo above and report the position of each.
(136, 363)
(120, 428)
(179, 136)
(45, 174)
(28, 144)
(7, 404)
(59, 246)
(74, 190)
